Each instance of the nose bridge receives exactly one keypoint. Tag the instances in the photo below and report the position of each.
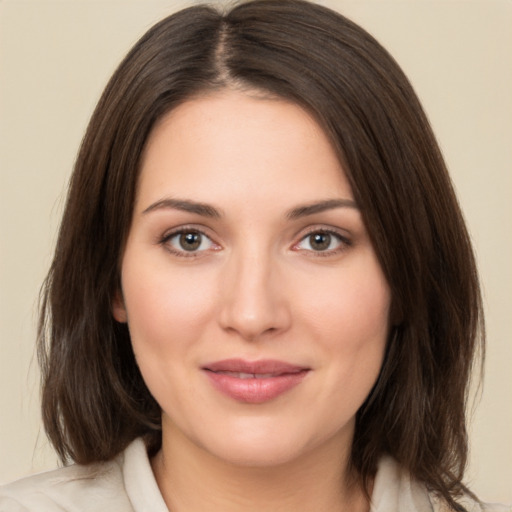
(253, 297)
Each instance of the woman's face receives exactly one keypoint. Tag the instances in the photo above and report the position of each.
(257, 309)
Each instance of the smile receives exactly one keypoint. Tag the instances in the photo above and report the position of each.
(254, 382)
(241, 375)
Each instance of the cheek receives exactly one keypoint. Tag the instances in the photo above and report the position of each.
(165, 309)
(350, 322)
(353, 308)
(167, 312)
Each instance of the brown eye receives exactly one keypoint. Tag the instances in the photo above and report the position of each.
(320, 241)
(190, 241)
(323, 242)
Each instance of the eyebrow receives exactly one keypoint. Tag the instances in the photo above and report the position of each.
(319, 207)
(184, 205)
(206, 210)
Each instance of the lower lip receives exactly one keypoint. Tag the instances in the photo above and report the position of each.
(255, 391)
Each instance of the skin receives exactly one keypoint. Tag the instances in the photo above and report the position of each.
(257, 287)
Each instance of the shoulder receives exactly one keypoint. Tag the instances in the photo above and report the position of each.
(471, 505)
(396, 491)
(125, 484)
(73, 488)
(496, 507)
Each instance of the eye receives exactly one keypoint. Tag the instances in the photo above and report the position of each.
(322, 241)
(188, 241)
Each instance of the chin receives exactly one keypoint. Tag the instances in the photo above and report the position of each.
(258, 455)
(254, 444)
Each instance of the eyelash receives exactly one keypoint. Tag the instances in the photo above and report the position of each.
(343, 241)
(184, 230)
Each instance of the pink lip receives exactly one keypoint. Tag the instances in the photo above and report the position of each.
(270, 378)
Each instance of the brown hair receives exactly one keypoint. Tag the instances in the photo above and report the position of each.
(94, 399)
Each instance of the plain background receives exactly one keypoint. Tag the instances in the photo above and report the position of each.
(55, 58)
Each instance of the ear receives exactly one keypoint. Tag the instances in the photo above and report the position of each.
(118, 308)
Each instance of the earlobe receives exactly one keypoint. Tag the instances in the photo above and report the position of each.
(118, 308)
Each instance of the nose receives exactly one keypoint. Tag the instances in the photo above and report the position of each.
(253, 298)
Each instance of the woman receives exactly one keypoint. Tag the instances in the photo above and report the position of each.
(263, 294)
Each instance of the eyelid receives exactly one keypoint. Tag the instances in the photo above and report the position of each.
(171, 233)
(344, 240)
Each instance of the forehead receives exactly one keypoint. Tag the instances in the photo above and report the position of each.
(243, 144)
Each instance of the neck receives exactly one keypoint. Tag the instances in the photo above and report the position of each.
(193, 480)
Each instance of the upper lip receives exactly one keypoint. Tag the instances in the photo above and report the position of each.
(263, 366)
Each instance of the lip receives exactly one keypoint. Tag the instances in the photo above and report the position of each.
(254, 382)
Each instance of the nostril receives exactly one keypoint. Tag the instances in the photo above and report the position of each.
(251, 303)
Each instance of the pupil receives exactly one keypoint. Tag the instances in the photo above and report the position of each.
(320, 241)
(190, 241)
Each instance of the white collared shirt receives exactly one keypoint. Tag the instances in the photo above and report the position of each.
(127, 484)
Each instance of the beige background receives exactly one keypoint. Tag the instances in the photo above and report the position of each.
(55, 57)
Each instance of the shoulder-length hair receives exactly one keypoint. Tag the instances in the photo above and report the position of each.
(94, 399)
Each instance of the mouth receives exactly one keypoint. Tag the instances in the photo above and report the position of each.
(242, 375)
(254, 382)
